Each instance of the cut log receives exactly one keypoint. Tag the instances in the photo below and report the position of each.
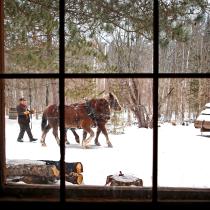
(75, 167)
(42, 171)
(202, 124)
(32, 179)
(123, 180)
(74, 178)
(204, 130)
(203, 120)
(73, 170)
(29, 168)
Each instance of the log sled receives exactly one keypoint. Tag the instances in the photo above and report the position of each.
(203, 120)
(42, 171)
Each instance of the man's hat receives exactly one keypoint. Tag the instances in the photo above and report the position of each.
(22, 99)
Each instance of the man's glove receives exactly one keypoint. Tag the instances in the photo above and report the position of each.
(26, 112)
(32, 111)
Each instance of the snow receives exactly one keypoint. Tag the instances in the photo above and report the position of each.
(182, 160)
(183, 157)
(207, 105)
(206, 111)
(203, 116)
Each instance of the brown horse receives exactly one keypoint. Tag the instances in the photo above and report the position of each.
(115, 106)
(79, 115)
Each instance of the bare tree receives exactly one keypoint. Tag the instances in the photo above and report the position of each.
(138, 97)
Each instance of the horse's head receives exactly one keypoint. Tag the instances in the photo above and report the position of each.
(114, 102)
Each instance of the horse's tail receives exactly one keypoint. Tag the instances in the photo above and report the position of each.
(44, 121)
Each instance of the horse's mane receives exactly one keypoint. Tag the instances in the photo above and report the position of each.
(107, 96)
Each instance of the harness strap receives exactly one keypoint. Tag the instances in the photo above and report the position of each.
(90, 111)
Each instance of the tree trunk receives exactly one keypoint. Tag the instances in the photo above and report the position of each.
(31, 168)
(54, 91)
(123, 180)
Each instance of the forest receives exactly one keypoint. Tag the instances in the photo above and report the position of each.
(135, 95)
(110, 36)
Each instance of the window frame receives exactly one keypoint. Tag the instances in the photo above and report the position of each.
(65, 194)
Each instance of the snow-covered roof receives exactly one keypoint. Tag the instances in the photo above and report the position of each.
(203, 117)
(207, 105)
(205, 112)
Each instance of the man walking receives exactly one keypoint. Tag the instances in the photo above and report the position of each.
(24, 120)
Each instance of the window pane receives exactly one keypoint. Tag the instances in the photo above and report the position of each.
(31, 36)
(184, 36)
(124, 107)
(109, 36)
(28, 160)
(183, 149)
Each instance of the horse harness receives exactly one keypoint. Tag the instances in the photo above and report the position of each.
(89, 109)
(91, 112)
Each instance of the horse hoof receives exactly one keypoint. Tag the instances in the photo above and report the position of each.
(67, 142)
(85, 146)
(77, 140)
(97, 144)
(110, 145)
(44, 145)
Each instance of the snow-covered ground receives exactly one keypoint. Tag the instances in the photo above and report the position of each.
(183, 154)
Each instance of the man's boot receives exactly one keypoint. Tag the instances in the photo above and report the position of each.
(33, 139)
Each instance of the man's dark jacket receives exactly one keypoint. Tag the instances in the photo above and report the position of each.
(22, 118)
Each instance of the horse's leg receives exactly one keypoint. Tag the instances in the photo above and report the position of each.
(84, 134)
(55, 133)
(75, 135)
(97, 135)
(66, 140)
(104, 131)
(87, 141)
(44, 133)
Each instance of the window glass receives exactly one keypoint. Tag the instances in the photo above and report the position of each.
(31, 36)
(30, 159)
(125, 157)
(109, 36)
(184, 36)
(183, 133)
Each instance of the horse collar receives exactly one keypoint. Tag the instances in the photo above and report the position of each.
(90, 110)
